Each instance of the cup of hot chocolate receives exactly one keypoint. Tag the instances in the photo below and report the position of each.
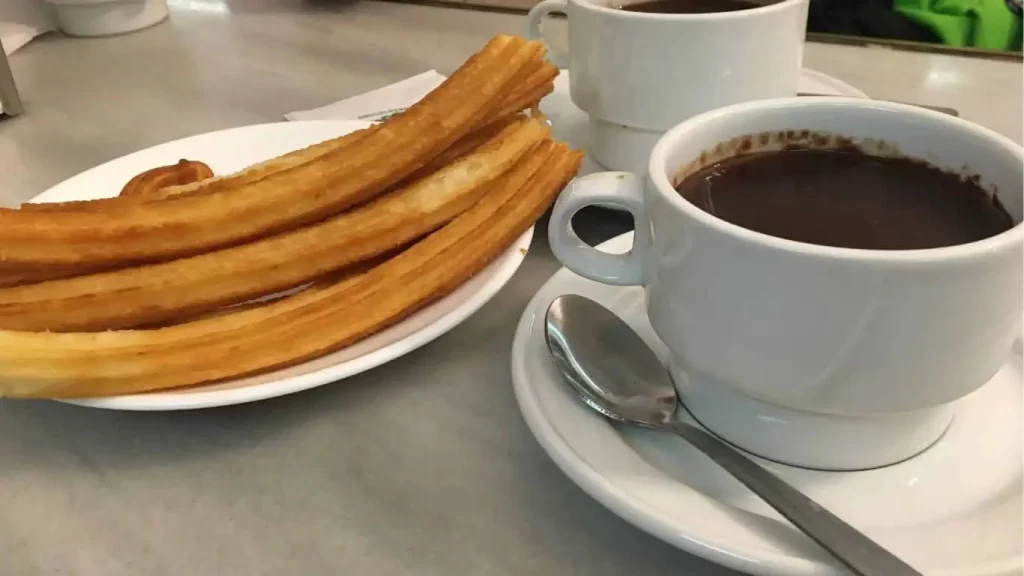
(830, 275)
(639, 67)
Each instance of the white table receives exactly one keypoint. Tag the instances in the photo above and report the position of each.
(421, 467)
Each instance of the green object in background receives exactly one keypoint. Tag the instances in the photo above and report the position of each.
(975, 23)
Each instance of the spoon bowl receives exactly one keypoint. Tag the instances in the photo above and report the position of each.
(630, 384)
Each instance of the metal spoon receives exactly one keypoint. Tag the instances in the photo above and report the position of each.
(617, 374)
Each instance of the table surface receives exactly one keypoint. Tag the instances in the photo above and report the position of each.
(423, 466)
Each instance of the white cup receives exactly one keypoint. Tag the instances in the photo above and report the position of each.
(107, 17)
(638, 74)
(816, 356)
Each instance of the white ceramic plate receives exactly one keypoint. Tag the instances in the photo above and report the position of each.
(955, 510)
(231, 150)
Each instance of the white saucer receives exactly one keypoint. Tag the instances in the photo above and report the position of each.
(955, 510)
(570, 124)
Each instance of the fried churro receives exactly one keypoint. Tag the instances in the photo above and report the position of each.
(538, 84)
(353, 173)
(19, 275)
(159, 292)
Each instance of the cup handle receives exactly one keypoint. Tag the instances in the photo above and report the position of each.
(533, 22)
(607, 189)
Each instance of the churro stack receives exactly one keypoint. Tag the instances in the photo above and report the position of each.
(155, 289)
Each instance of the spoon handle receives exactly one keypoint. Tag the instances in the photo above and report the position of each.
(858, 552)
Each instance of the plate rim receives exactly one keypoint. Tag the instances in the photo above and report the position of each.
(640, 513)
(501, 271)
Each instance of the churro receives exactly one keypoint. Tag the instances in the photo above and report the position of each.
(538, 84)
(188, 286)
(181, 226)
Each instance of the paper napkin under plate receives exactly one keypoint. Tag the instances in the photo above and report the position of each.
(378, 104)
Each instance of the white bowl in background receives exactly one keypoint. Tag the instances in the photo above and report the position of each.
(107, 17)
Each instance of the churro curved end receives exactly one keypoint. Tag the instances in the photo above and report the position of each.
(151, 181)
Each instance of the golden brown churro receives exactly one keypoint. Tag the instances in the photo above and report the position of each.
(189, 286)
(179, 226)
(21, 275)
(538, 84)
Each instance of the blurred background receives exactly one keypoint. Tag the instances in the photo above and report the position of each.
(992, 26)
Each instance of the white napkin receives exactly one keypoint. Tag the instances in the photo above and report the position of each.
(375, 105)
(23, 20)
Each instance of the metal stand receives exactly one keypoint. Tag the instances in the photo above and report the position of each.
(10, 101)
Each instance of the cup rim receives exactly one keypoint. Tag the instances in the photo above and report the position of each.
(702, 17)
(659, 175)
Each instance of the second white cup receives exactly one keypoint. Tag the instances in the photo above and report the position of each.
(638, 74)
